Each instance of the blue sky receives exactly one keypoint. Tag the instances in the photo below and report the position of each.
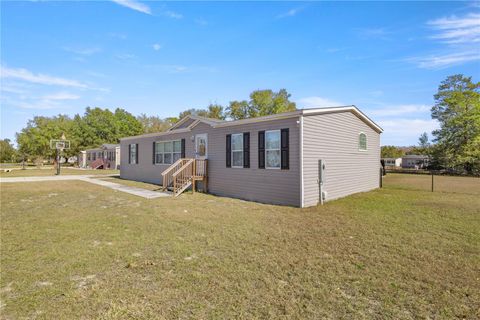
(160, 58)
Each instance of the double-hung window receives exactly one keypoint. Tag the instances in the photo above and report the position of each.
(94, 156)
(133, 153)
(167, 152)
(237, 150)
(272, 149)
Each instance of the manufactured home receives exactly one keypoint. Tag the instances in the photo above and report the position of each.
(392, 162)
(298, 158)
(415, 161)
(107, 156)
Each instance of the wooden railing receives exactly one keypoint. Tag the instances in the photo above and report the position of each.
(183, 173)
(167, 175)
(201, 167)
(183, 178)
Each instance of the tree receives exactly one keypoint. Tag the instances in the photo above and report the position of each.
(423, 141)
(98, 126)
(34, 139)
(127, 124)
(153, 124)
(457, 109)
(238, 110)
(7, 152)
(391, 152)
(262, 103)
(215, 111)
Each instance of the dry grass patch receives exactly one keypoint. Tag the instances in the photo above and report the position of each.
(390, 254)
(450, 184)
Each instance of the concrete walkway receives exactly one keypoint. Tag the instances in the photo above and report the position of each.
(148, 194)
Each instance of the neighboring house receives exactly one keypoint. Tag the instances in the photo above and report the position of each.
(393, 162)
(415, 161)
(271, 159)
(105, 157)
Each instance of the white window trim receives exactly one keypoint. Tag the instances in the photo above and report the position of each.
(366, 142)
(165, 141)
(279, 149)
(231, 151)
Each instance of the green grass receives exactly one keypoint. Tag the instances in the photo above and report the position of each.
(74, 250)
(450, 184)
(51, 172)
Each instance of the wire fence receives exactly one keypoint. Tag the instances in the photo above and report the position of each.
(432, 181)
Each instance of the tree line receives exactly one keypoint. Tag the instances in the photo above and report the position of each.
(97, 126)
(456, 144)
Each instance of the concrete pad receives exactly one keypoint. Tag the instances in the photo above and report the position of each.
(148, 194)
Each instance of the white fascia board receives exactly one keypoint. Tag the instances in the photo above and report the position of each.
(156, 134)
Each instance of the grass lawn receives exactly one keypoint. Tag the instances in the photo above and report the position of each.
(70, 250)
(51, 172)
(448, 184)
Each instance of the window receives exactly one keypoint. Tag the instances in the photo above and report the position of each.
(237, 150)
(272, 149)
(88, 156)
(362, 141)
(133, 153)
(94, 156)
(168, 152)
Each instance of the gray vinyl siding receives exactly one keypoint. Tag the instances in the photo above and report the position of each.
(263, 185)
(334, 138)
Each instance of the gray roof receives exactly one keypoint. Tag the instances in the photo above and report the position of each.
(110, 145)
(415, 156)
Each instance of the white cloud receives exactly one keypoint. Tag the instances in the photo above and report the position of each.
(61, 96)
(318, 102)
(455, 29)
(403, 132)
(376, 93)
(172, 14)
(289, 13)
(445, 60)
(400, 110)
(201, 22)
(125, 56)
(26, 75)
(83, 51)
(134, 5)
(117, 35)
(374, 33)
(156, 46)
(461, 35)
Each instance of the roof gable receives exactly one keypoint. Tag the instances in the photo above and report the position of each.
(191, 121)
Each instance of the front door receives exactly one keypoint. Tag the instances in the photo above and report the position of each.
(201, 146)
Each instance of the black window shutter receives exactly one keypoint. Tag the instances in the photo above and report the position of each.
(153, 151)
(129, 153)
(261, 149)
(229, 151)
(183, 149)
(285, 148)
(136, 153)
(246, 149)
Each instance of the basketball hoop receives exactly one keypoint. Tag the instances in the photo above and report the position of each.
(59, 145)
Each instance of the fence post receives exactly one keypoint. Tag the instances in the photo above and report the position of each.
(432, 181)
(381, 177)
